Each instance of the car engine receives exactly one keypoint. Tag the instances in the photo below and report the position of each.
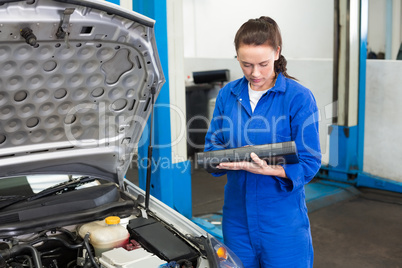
(64, 247)
(97, 226)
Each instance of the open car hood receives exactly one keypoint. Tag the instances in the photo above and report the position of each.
(75, 86)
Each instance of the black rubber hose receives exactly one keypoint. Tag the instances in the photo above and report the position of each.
(86, 244)
(67, 245)
(18, 249)
(26, 258)
(68, 232)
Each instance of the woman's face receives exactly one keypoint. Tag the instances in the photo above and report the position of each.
(257, 64)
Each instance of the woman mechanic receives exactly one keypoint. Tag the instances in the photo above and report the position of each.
(265, 219)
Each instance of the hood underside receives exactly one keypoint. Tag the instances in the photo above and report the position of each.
(75, 86)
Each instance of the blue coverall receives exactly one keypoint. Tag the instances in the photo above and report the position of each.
(265, 219)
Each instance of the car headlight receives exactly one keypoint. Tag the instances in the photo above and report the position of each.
(225, 258)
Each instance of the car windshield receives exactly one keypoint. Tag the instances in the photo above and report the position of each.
(30, 185)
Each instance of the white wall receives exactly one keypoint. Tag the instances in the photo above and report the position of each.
(210, 26)
(377, 26)
(176, 80)
(126, 4)
(383, 124)
(307, 26)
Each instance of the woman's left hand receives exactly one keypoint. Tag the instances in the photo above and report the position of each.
(257, 166)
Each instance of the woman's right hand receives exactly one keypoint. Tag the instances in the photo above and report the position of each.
(257, 166)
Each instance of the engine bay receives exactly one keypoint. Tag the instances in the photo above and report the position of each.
(64, 247)
(97, 226)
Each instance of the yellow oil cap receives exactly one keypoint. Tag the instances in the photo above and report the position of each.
(112, 220)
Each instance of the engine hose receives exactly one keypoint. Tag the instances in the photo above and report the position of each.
(67, 245)
(86, 244)
(68, 232)
(27, 258)
(18, 249)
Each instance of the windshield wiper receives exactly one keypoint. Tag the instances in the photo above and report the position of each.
(63, 187)
(7, 200)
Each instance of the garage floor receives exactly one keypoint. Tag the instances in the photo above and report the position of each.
(365, 231)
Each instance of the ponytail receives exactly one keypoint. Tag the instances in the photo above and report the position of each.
(280, 67)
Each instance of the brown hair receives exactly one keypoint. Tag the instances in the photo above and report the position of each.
(263, 30)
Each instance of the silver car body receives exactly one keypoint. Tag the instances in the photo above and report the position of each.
(76, 82)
